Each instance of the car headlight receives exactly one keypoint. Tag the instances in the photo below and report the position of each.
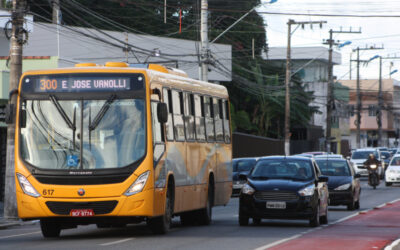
(27, 186)
(307, 191)
(138, 185)
(247, 189)
(343, 187)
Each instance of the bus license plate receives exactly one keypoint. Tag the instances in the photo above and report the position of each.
(81, 212)
(276, 204)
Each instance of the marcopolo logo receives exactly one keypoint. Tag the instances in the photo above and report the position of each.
(81, 192)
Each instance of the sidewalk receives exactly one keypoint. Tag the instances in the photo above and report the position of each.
(4, 223)
(372, 229)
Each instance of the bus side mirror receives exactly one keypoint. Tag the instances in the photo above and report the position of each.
(9, 114)
(23, 119)
(162, 112)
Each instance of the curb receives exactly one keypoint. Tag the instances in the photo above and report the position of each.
(6, 224)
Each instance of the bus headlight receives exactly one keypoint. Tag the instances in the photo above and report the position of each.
(138, 185)
(27, 186)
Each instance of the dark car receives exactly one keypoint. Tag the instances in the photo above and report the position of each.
(241, 168)
(284, 187)
(344, 184)
(386, 157)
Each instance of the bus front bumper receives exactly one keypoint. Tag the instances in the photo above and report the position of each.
(138, 205)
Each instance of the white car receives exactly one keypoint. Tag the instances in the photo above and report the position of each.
(359, 156)
(392, 174)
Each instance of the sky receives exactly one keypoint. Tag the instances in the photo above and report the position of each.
(376, 31)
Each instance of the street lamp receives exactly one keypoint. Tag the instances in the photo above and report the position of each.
(344, 44)
(393, 72)
(240, 19)
(373, 58)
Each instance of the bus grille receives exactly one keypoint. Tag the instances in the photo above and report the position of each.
(64, 208)
(276, 195)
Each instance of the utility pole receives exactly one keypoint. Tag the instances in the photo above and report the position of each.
(56, 11)
(380, 99)
(204, 41)
(287, 78)
(330, 97)
(359, 105)
(17, 40)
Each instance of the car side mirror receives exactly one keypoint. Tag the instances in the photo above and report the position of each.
(357, 176)
(242, 177)
(323, 179)
(162, 112)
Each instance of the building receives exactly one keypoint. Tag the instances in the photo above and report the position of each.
(369, 101)
(311, 65)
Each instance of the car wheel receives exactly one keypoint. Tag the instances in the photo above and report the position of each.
(357, 205)
(351, 206)
(388, 184)
(314, 221)
(324, 219)
(256, 221)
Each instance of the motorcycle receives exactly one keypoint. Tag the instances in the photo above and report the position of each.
(373, 177)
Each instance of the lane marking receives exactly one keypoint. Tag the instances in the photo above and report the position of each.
(16, 235)
(116, 242)
(391, 246)
(323, 226)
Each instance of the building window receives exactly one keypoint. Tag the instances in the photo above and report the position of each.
(372, 110)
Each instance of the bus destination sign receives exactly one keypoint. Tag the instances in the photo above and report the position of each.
(59, 84)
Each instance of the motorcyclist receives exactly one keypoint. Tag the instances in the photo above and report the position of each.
(371, 161)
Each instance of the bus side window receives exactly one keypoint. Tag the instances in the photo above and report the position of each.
(219, 129)
(189, 117)
(157, 128)
(199, 117)
(227, 125)
(208, 109)
(177, 108)
(169, 126)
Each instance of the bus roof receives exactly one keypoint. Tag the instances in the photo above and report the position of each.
(173, 78)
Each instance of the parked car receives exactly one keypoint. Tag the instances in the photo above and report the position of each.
(359, 156)
(240, 169)
(393, 171)
(284, 187)
(343, 184)
(316, 153)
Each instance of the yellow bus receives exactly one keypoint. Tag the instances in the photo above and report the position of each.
(113, 145)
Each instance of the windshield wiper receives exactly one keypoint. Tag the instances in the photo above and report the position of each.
(102, 112)
(65, 117)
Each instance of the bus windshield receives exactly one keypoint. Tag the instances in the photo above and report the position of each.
(83, 134)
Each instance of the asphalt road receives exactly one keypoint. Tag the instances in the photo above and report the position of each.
(223, 233)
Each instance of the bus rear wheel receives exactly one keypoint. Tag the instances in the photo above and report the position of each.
(162, 224)
(205, 214)
(50, 228)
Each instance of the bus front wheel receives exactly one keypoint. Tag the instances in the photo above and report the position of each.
(162, 224)
(50, 228)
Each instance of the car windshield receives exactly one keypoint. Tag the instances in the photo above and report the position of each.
(291, 169)
(359, 155)
(83, 134)
(334, 167)
(395, 161)
(243, 165)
